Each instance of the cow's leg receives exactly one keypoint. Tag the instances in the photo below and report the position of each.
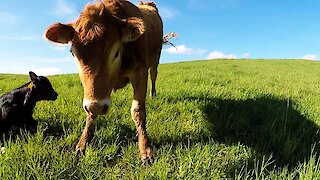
(138, 112)
(87, 134)
(153, 77)
(30, 124)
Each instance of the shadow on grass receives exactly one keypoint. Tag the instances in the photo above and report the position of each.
(121, 136)
(51, 128)
(266, 124)
(269, 125)
(55, 128)
(20, 131)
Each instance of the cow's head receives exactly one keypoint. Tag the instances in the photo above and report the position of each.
(42, 87)
(97, 39)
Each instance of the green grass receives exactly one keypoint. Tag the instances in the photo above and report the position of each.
(235, 119)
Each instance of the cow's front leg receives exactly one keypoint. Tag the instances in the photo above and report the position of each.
(87, 134)
(138, 113)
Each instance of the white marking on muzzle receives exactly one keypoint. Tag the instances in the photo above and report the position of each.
(103, 102)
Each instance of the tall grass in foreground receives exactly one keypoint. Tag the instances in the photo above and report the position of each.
(245, 119)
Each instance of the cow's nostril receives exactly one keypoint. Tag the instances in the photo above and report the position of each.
(105, 108)
(86, 109)
(96, 107)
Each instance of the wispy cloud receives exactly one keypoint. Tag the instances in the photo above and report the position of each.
(64, 9)
(47, 71)
(246, 55)
(182, 49)
(8, 18)
(36, 60)
(58, 47)
(168, 13)
(40, 65)
(221, 55)
(212, 5)
(309, 57)
(48, 60)
(20, 38)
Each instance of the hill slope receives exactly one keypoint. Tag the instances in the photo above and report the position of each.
(215, 119)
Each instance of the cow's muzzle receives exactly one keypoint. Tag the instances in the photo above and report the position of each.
(94, 107)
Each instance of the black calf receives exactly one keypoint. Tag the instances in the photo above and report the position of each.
(16, 106)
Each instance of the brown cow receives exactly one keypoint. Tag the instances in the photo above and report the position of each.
(114, 42)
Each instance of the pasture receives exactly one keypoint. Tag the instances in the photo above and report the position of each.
(237, 119)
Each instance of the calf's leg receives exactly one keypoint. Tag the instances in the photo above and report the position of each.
(30, 124)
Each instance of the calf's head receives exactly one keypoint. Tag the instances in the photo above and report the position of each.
(97, 39)
(42, 87)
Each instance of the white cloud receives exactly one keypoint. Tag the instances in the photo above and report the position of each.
(20, 38)
(64, 9)
(8, 18)
(245, 55)
(309, 57)
(22, 64)
(47, 71)
(40, 65)
(168, 13)
(48, 60)
(182, 49)
(44, 71)
(220, 55)
(210, 6)
(58, 47)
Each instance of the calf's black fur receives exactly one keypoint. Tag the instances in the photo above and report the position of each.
(16, 106)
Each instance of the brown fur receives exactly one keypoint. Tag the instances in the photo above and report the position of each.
(152, 4)
(114, 42)
(92, 22)
(90, 25)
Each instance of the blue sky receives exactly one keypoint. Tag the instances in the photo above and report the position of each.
(208, 29)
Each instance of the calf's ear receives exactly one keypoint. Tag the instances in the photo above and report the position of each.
(132, 29)
(33, 76)
(59, 33)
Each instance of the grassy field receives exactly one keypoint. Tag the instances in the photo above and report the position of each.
(235, 119)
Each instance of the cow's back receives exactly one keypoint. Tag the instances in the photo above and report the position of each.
(154, 27)
(150, 43)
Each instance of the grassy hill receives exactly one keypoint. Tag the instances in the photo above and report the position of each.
(238, 119)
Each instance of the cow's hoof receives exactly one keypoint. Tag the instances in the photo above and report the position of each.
(153, 95)
(147, 161)
(31, 126)
(80, 148)
(147, 157)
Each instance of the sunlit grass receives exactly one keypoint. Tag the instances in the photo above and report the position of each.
(238, 119)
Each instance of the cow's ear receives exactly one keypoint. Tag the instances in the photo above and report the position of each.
(132, 29)
(33, 76)
(59, 33)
